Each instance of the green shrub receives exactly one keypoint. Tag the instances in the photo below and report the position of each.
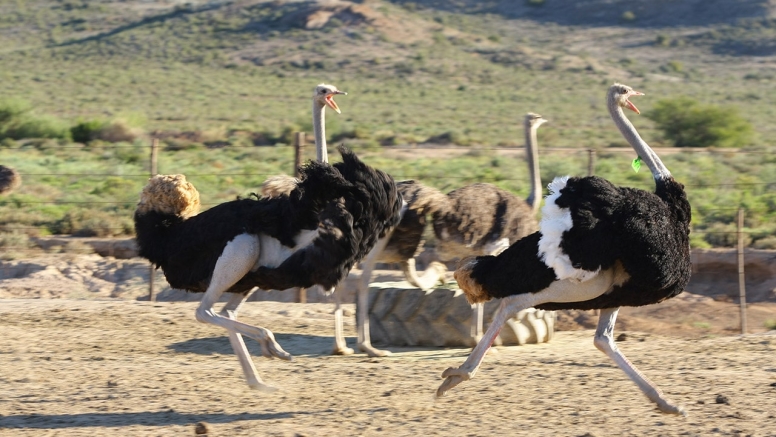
(11, 110)
(44, 126)
(663, 40)
(687, 123)
(86, 131)
(628, 16)
(18, 122)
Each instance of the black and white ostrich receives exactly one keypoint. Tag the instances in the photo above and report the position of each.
(599, 246)
(314, 235)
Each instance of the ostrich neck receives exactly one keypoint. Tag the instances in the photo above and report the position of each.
(650, 158)
(531, 154)
(319, 130)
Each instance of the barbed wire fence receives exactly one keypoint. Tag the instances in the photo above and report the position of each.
(111, 250)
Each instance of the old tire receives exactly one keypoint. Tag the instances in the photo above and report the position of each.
(400, 315)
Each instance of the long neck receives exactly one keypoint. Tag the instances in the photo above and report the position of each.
(531, 154)
(319, 129)
(647, 155)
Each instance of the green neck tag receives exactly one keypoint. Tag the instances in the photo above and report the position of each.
(636, 164)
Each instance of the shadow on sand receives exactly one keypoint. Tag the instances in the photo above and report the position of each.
(157, 418)
(295, 344)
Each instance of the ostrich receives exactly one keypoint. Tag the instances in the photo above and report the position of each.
(600, 246)
(475, 219)
(9, 180)
(314, 235)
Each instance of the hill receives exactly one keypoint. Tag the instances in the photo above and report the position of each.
(476, 65)
(214, 79)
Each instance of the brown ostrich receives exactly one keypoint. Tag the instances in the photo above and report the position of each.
(478, 219)
(10, 180)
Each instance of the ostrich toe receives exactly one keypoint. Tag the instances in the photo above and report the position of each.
(667, 407)
(453, 376)
(271, 349)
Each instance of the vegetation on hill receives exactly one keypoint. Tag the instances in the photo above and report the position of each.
(217, 81)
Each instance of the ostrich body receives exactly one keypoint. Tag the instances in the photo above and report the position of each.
(600, 246)
(477, 219)
(314, 235)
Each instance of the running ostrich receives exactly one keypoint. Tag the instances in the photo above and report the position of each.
(314, 235)
(478, 219)
(9, 180)
(600, 246)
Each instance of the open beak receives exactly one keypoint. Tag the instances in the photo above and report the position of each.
(331, 103)
(630, 105)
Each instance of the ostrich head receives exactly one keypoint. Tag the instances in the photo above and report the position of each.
(324, 96)
(621, 93)
(534, 119)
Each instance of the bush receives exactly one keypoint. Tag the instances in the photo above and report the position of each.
(86, 131)
(628, 16)
(15, 245)
(118, 131)
(687, 123)
(11, 110)
(38, 127)
(93, 223)
(18, 122)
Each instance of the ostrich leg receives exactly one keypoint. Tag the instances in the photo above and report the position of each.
(604, 341)
(478, 316)
(558, 291)
(340, 345)
(364, 343)
(238, 257)
(238, 345)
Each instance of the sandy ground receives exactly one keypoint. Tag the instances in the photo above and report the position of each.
(109, 367)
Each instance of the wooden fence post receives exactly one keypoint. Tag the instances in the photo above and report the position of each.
(590, 162)
(298, 152)
(151, 269)
(741, 276)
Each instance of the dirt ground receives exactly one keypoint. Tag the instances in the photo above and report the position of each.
(119, 367)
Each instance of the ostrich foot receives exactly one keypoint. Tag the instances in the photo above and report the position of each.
(454, 376)
(666, 406)
(342, 350)
(372, 351)
(269, 347)
(262, 387)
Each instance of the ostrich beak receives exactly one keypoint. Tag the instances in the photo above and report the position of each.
(630, 105)
(331, 103)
